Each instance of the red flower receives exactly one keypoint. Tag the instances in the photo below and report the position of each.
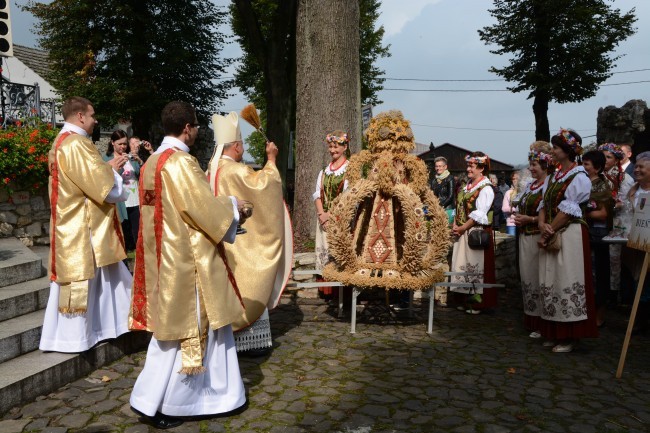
(31, 150)
(6, 180)
(33, 135)
(18, 123)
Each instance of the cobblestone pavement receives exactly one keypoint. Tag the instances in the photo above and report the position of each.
(474, 374)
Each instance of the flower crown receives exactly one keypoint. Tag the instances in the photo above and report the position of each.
(483, 160)
(611, 147)
(534, 155)
(341, 141)
(570, 140)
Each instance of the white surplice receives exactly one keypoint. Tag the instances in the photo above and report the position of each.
(109, 298)
(161, 388)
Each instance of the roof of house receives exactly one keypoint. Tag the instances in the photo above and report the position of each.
(34, 59)
(456, 157)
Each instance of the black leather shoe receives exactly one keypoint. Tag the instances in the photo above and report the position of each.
(159, 420)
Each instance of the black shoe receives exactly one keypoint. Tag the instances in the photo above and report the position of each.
(256, 353)
(159, 420)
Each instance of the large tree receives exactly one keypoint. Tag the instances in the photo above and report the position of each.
(131, 57)
(328, 97)
(558, 50)
(266, 31)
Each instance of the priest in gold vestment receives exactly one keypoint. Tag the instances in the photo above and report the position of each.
(261, 257)
(183, 289)
(90, 285)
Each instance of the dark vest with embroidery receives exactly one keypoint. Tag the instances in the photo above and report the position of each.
(466, 204)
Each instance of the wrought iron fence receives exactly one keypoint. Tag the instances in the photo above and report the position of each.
(22, 102)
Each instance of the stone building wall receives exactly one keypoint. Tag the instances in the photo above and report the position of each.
(26, 216)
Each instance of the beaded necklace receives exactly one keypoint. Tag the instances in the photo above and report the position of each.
(470, 186)
(536, 184)
(340, 165)
(564, 173)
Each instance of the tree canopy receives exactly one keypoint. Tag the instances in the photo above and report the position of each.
(271, 35)
(558, 50)
(131, 57)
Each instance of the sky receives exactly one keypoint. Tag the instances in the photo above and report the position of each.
(438, 40)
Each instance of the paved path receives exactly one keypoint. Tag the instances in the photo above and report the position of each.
(474, 374)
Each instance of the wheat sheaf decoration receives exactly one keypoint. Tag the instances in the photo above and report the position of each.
(387, 230)
(250, 115)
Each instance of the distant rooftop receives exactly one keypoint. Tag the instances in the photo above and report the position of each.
(35, 59)
(419, 148)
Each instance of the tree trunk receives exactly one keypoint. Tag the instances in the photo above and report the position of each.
(540, 109)
(141, 118)
(279, 72)
(327, 93)
(543, 24)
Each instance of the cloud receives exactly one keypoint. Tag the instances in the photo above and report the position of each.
(395, 14)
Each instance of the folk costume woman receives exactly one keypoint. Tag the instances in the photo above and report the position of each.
(540, 164)
(331, 182)
(568, 305)
(474, 209)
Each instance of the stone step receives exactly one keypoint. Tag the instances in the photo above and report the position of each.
(20, 335)
(23, 298)
(24, 378)
(17, 262)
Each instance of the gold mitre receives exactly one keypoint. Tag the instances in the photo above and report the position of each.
(226, 128)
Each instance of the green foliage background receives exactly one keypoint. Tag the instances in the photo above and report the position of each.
(131, 57)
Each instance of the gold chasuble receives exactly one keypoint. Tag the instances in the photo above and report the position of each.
(85, 231)
(257, 257)
(177, 258)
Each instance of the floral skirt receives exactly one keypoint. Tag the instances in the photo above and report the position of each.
(566, 287)
(466, 259)
(529, 273)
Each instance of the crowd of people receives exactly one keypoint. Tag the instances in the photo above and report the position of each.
(194, 285)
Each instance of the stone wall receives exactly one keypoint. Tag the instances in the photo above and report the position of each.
(624, 125)
(25, 216)
(505, 260)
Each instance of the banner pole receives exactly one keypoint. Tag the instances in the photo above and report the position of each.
(630, 325)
